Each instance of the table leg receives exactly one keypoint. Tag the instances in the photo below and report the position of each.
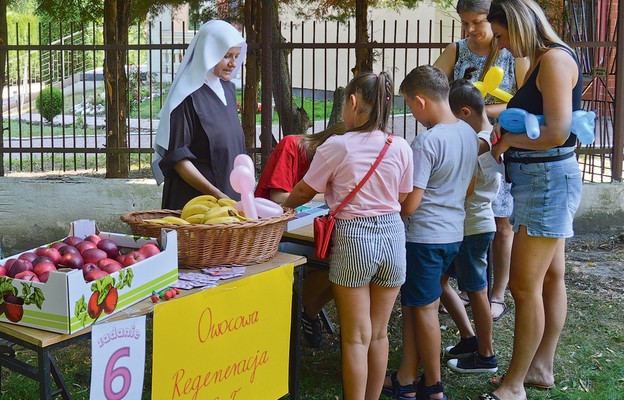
(295, 335)
(43, 363)
(58, 378)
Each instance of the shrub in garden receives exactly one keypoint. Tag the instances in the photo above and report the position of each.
(49, 103)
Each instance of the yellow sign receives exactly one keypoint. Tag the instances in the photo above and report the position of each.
(228, 342)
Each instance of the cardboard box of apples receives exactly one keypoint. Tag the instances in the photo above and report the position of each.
(68, 285)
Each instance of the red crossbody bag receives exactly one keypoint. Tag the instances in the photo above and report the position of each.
(324, 226)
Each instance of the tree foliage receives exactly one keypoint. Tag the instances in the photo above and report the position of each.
(342, 10)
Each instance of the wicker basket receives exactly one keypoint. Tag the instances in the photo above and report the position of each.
(201, 246)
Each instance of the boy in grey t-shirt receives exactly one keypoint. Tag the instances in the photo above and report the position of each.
(445, 160)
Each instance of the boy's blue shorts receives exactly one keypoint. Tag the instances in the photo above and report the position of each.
(470, 266)
(425, 265)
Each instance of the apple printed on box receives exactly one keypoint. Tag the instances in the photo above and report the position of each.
(66, 303)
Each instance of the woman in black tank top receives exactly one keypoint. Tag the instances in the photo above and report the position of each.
(546, 186)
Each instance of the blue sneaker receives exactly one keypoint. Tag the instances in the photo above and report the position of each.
(463, 349)
(475, 364)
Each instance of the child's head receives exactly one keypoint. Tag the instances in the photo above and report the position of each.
(424, 86)
(464, 98)
(368, 102)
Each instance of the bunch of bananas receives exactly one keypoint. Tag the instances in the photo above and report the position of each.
(204, 209)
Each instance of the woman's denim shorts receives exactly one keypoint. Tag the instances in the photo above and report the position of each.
(546, 194)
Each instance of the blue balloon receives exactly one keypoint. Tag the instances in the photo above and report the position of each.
(583, 126)
(517, 120)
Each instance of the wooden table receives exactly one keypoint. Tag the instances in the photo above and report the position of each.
(43, 343)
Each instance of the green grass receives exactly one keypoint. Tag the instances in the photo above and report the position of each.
(38, 130)
(91, 164)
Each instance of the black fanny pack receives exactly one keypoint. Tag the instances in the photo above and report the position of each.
(535, 160)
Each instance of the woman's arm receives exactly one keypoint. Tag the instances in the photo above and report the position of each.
(301, 194)
(557, 76)
(446, 61)
(494, 110)
(191, 175)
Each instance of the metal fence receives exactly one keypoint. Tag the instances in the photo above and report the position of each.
(320, 59)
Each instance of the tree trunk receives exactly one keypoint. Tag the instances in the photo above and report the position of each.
(336, 112)
(253, 20)
(293, 119)
(3, 55)
(363, 56)
(116, 21)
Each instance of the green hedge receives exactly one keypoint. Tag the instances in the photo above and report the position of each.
(50, 103)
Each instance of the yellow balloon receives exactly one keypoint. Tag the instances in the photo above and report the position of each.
(491, 82)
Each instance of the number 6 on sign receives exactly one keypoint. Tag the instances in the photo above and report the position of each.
(118, 359)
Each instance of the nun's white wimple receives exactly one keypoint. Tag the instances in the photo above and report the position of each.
(206, 50)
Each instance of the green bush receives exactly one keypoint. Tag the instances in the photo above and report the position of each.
(49, 103)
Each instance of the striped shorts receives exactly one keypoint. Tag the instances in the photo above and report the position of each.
(368, 249)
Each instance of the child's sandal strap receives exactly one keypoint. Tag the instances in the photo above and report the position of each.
(399, 390)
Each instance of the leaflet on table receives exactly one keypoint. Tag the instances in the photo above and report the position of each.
(306, 214)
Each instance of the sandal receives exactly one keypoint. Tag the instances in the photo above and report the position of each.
(399, 391)
(497, 380)
(489, 396)
(503, 313)
(425, 392)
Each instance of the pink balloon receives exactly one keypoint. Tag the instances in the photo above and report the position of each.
(267, 208)
(245, 160)
(243, 182)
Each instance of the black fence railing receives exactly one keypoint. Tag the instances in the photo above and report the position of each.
(321, 55)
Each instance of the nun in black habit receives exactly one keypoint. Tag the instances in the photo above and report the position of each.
(199, 133)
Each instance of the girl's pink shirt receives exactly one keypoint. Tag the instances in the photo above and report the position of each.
(342, 161)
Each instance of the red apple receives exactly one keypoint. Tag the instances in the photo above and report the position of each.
(109, 265)
(57, 245)
(39, 251)
(14, 309)
(84, 245)
(149, 249)
(27, 276)
(72, 240)
(20, 266)
(53, 254)
(28, 256)
(132, 258)
(8, 264)
(43, 266)
(68, 249)
(41, 259)
(93, 239)
(88, 267)
(120, 258)
(109, 247)
(3, 271)
(43, 278)
(95, 274)
(71, 260)
(43, 270)
(93, 255)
